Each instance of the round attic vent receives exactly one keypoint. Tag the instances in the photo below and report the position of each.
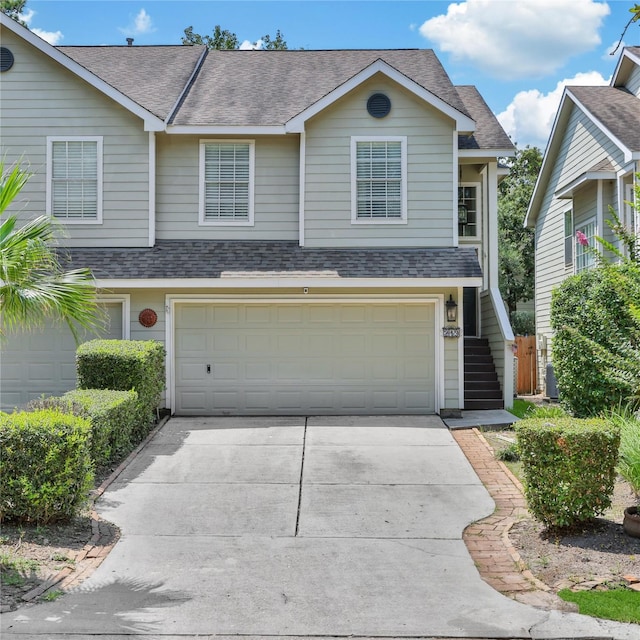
(378, 105)
(6, 59)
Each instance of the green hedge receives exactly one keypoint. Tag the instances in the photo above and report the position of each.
(596, 339)
(123, 365)
(569, 467)
(45, 467)
(113, 420)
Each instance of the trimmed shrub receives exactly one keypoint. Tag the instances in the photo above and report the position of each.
(124, 365)
(45, 468)
(523, 323)
(596, 339)
(113, 420)
(569, 467)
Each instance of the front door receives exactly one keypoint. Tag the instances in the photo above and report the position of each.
(470, 311)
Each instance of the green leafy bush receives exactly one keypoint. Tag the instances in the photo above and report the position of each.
(45, 467)
(596, 338)
(628, 422)
(113, 420)
(569, 467)
(123, 365)
(523, 323)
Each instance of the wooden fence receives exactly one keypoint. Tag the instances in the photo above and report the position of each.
(527, 365)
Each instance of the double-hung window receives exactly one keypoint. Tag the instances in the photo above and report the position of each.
(569, 238)
(379, 180)
(584, 243)
(74, 179)
(469, 210)
(226, 182)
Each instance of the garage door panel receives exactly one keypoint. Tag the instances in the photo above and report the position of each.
(308, 358)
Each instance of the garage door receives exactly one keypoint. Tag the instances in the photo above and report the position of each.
(304, 358)
(43, 361)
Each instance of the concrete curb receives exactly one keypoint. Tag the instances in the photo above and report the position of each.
(102, 539)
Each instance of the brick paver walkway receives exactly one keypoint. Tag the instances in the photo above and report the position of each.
(497, 561)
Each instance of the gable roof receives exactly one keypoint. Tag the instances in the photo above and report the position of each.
(489, 133)
(615, 111)
(153, 76)
(151, 121)
(629, 58)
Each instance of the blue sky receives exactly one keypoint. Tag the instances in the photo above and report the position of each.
(519, 53)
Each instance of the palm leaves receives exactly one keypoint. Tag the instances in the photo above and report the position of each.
(33, 284)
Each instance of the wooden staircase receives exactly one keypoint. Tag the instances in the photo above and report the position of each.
(481, 385)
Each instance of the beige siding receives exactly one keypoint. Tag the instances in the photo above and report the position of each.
(328, 171)
(276, 191)
(39, 99)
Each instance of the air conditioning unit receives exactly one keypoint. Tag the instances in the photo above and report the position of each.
(550, 383)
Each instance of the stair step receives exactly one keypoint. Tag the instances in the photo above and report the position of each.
(482, 385)
(474, 405)
(479, 367)
(481, 394)
(478, 359)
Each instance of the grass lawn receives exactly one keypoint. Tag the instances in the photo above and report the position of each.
(622, 605)
(522, 407)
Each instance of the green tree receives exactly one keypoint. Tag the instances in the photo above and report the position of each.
(14, 9)
(515, 242)
(635, 17)
(33, 284)
(225, 39)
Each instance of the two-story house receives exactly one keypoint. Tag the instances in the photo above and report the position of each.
(307, 232)
(589, 166)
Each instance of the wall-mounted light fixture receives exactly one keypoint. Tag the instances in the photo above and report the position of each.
(452, 309)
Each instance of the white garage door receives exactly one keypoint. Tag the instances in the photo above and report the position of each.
(43, 361)
(304, 358)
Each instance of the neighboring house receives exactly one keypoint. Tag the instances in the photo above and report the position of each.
(290, 224)
(589, 166)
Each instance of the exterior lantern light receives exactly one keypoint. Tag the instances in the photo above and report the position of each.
(452, 309)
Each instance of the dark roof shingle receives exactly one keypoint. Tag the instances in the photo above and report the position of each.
(220, 259)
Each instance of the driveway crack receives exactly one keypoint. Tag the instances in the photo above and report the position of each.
(304, 444)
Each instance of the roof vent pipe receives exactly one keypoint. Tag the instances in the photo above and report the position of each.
(129, 42)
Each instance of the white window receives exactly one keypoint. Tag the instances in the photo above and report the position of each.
(379, 180)
(569, 238)
(226, 182)
(74, 179)
(584, 243)
(468, 210)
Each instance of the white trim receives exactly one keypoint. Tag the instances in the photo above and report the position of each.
(403, 181)
(599, 209)
(593, 220)
(627, 59)
(461, 343)
(492, 154)
(152, 188)
(491, 241)
(464, 124)
(249, 221)
(100, 178)
(456, 171)
(303, 187)
(219, 130)
(171, 300)
(151, 122)
(566, 192)
(274, 282)
(125, 300)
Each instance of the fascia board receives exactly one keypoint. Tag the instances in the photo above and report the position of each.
(463, 122)
(627, 58)
(151, 122)
(486, 153)
(566, 191)
(261, 282)
(216, 130)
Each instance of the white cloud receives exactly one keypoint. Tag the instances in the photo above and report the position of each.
(248, 45)
(529, 117)
(140, 25)
(517, 38)
(52, 37)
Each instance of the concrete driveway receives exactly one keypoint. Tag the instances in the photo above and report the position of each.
(296, 527)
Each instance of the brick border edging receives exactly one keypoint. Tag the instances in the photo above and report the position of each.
(487, 540)
(102, 539)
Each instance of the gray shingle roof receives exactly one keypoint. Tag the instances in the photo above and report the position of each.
(219, 259)
(617, 109)
(489, 133)
(152, 76)
(271, 87)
